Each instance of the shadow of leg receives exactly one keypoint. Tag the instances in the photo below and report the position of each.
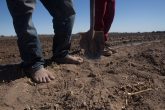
(10, 72)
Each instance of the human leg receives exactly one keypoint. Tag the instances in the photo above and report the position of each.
(99, 14)
(63, 19)
(28, 41)
(109, 16)
(104, 14)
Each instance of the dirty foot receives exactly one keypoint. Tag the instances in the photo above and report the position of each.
(69, 60)
(42, 76)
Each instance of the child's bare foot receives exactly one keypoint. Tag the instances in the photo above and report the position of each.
(69, 60)
(42, 76)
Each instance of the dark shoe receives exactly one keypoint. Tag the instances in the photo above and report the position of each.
(108, 51)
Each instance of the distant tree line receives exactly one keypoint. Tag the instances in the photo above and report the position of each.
(158, 31)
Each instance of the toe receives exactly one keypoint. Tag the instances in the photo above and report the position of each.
(51, 77)
(36, 79)
(39, 80)
(48, 79)
(44, 79)
(79, 60)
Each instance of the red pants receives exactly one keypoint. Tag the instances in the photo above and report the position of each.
(104, 14)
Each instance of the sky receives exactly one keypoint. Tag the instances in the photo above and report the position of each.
(131, 16)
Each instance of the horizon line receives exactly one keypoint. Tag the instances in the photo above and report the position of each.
(82, 32)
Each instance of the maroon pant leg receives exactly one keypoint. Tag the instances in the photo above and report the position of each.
(104, 14)
(108, 16)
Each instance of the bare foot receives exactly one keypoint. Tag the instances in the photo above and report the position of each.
(70, 60)
(42, 76)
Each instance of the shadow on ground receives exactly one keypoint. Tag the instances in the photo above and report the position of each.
(10, 72)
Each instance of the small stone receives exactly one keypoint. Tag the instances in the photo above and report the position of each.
(123, 108)
(27, 107)
(56, 106)
(75, 79)
(84, 104)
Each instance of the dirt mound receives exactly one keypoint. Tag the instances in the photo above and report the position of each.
(131, 79)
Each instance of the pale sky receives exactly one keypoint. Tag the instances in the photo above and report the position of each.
(131, 16)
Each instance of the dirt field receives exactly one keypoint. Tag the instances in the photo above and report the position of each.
(131, 79)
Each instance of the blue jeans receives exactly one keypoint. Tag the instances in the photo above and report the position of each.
(28, 42)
